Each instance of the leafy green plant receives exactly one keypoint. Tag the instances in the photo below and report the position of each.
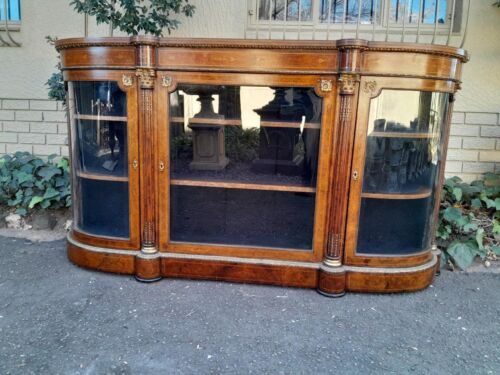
(469, 220)
(56, 82)
(136, 16)
(182, 146)
(241, 144)
(28, 182)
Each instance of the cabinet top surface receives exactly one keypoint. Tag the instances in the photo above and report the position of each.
(298, 45)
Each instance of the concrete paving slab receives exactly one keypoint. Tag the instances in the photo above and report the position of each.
(56, 318)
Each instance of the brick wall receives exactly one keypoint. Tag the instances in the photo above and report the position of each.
(40, 127)
(37, 126)
(474, 146)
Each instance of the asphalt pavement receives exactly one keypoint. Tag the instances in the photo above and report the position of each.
(56, 318)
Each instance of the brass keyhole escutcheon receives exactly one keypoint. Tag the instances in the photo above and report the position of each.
(162, 166)
(135, 164)
(355, 175)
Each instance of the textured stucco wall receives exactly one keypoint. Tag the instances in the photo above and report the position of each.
(481, 75)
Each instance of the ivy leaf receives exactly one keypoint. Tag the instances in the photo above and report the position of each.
(35, 200)
(462, 253)
(50, 193)
(496, 227)
(63, 164)
(457, 194)
(497, 204)
(21, 211)
(469, 227)
(476, 203)
(48, 172)
(490, 203)
(23, 177)
(452, 214)
(496, 250)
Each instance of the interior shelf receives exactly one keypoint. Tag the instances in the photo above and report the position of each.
(244, 186)
(423, 193)
(214, 121)
(101, 177)
(226, 122)
(101, 118)
(401, 135)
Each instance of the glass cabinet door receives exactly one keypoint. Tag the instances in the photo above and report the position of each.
(98, 118)
(401, 167)
(244, 165)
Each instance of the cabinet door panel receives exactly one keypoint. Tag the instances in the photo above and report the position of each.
(399, 151)
(102, 148)
(245, 167)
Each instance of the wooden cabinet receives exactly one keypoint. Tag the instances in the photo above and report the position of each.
(308, 164)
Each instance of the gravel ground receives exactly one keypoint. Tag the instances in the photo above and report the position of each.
(56, 318)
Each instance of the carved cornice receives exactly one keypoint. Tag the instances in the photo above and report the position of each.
(146, 77)
(343, 44)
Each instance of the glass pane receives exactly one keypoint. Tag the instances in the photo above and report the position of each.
(390, 226)
(244, 153)
(403, 156)
(338, 11)
(103, 207)
(242, 217)
(98, 116)
(279, 10)
(418, 11)
(100, 99)
(101, 128)
(13, 12)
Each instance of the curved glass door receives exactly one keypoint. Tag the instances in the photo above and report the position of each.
(98, 118)
(402, 163)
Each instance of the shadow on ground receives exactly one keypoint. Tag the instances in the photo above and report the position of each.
(56, 318)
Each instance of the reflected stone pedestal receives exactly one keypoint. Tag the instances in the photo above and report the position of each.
(209, 152)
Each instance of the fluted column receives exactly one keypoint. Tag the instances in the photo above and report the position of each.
(348, 84)
(148, 262)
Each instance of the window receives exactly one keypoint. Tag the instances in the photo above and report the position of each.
(10, 10)
(285, 10)
(378, 16)
(335, 11)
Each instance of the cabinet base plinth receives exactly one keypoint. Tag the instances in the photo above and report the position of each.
(147, 267)
(329, 281)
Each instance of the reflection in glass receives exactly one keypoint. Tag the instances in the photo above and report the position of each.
(403, 155)
(98, 115)
(101, 128)
(252, 134)
(249, 149)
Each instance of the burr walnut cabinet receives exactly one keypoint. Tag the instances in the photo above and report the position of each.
(306, 164)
